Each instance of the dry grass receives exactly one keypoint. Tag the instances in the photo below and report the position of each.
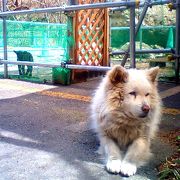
(170, 168)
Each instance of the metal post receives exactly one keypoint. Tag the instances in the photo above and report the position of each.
(144, 51)
(123, 4)
(110, 49)
(90, 68)
(5, 39)
(71, 8)
(72, 2)
(146, 5)
(132, 37)
(177, 40)
(140, 41)
(153, 3)
(28, 63)
(63, 65)
(70, 32)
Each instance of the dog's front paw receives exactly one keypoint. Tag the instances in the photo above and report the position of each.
(128, 169)
(113, 165)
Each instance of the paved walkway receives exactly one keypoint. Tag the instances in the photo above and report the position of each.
(44, 132)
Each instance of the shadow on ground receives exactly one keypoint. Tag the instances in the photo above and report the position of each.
(43, 137)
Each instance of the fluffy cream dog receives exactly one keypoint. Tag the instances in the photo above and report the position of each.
(126, 111)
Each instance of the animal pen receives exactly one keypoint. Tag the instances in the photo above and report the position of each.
(88, 29)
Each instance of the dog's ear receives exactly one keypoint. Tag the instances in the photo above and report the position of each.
(118, 74)
(152, 73)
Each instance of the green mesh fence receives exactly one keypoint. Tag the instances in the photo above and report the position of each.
(34, 34)
(47, 42)
(162, 36)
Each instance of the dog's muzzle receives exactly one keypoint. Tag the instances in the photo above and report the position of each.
(145, 110)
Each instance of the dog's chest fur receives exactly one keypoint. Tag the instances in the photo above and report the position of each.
(125, 134)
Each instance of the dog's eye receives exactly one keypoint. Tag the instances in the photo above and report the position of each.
(133, 93)
(147, 94)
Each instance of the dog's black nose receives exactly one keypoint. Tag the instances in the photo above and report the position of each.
(145, 108)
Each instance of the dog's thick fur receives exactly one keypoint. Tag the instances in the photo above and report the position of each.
(126, 111)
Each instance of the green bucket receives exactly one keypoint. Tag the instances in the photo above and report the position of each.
(61, 76)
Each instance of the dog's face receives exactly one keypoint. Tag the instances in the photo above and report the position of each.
(139, 89)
